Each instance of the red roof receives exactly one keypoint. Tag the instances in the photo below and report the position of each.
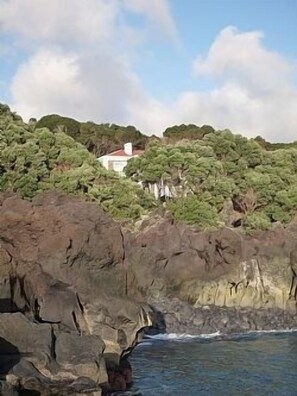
(123, 154)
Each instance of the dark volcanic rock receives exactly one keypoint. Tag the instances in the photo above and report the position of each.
(222, 268)
(62, 265)
(74, 275)
(180, 317)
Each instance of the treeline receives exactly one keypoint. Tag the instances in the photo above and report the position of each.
(194, 132)
(214, 178)
(99, 139)
(34, 159)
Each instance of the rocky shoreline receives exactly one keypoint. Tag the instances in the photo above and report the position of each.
(77, 291)
(175, 316)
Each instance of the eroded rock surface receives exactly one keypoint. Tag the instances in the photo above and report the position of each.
(76, 290)
(224, 268)
(63, 260)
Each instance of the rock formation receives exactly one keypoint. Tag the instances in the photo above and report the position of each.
(62, 269)
(76, 289)
(223, 268)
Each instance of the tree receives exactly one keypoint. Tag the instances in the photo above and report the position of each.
(99, 139)
(32, 161)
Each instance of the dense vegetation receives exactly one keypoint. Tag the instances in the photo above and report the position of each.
(213, 177)
(33, 160)
(191, 132)
(99, 139)
(222, 178)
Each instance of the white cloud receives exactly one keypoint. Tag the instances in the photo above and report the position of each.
(72, 22)
(157, 11)
(59, 21)
(242, 58)
(254, 91)
(91, 79)
(88, 87)
(75, 67)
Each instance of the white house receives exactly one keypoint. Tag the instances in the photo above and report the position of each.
(117, 160)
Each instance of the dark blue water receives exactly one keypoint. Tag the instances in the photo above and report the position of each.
(258, 364)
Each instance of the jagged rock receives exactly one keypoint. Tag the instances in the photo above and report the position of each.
(67, 275)
(34, 340)
(81, 355)
(75, 276)
(223, 268)
(33, 358)
(181, 317)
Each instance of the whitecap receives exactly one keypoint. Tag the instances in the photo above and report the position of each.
(218, 334)
(276, 331)
(184, 336)
(145, 343)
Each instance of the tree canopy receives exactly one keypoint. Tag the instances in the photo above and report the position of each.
(214, 178)
(204, 174)
(99, 139)
(33, 160)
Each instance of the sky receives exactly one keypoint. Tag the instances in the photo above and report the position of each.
(154, 63)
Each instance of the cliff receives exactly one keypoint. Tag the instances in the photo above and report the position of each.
(64, 308)
(77, 290)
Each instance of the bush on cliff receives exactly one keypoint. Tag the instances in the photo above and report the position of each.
(195, 212)
(32, 161)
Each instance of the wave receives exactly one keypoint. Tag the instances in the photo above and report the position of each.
(144, 342)
(275, 331)
(185, 336)
(216, 335)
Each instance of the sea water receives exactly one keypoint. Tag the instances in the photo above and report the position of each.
(250, 364)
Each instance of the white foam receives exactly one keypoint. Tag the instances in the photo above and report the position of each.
(145, 343)
(280, 331)
(185, 336)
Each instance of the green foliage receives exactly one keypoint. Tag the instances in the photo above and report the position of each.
(55, 122)
(194, 211)
(190, 132)
(32, 161)
(257, 221)
(262, 185)
(205, 170)
(274, 146)
(99, 139)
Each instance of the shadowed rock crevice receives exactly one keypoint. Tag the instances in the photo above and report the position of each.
(7, 305)
(9, 356)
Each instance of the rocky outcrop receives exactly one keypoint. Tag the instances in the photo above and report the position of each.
(176, 316)
(76, 290)
(62, 261)
(223, 268)
(35, 359)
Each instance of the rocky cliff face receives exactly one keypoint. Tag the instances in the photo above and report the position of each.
(62, 270)
(70, 278)
(215, 269)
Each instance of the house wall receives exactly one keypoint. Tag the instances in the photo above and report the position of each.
(115, 162)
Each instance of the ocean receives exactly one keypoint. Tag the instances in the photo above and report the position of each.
(259, 363)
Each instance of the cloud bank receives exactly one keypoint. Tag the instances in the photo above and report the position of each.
(79, 64)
